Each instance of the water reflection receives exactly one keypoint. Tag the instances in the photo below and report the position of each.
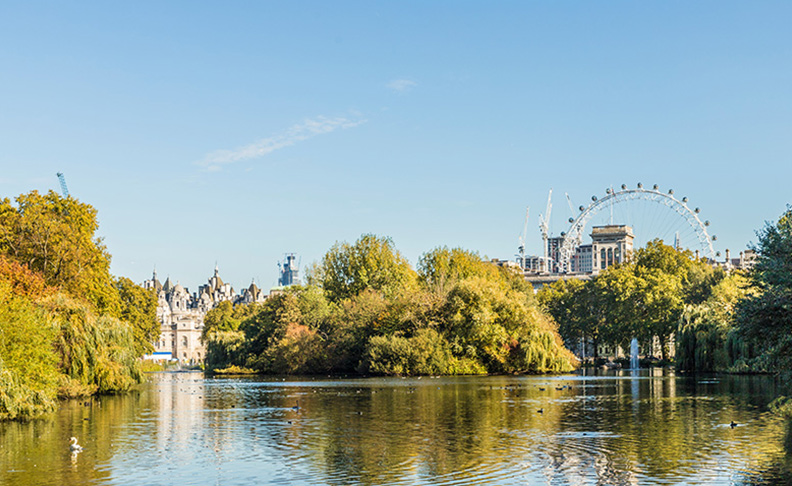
(624, 427)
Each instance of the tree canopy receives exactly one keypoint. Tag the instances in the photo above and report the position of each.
(642, 298)
(765, 318)
(55, 236)
(371, 262)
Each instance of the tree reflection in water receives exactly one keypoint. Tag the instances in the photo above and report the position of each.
(615, 428)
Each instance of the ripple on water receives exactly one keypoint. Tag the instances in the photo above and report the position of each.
(445, 431)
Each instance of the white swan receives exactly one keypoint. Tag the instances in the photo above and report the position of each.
(74, 447)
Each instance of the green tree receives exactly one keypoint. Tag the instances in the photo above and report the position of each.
(227, 317)
(313, 305)
(352, 323)
(267, 327)
(442, 268)
(642, 298)
(498, 328)
(371, 262)
(224, 349)
(139, 309)
(657, 302)
(766, 317)
(564, 300)
(617, 305)
(706, 339)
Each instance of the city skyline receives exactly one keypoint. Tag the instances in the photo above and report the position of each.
(232, 135)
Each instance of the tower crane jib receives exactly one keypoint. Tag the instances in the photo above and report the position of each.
(62, 180)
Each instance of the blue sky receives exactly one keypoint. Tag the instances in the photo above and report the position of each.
(234, 132)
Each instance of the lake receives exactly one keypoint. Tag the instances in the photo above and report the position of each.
(620, 427)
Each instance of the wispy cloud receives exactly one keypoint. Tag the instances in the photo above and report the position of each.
(401, 85)
(309, 128)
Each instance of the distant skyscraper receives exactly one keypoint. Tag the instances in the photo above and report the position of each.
(289, 271)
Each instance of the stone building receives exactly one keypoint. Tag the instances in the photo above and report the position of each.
(610, 245)
(251, 294)
(181, 316)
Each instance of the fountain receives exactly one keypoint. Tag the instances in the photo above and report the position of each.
(634, 354)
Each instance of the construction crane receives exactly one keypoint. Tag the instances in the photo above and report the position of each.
(64, 189)
(544, 226)
(521, 248)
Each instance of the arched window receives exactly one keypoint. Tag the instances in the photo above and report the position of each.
(603, 259)
(610, 256)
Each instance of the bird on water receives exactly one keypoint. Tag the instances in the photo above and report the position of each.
(73, 446)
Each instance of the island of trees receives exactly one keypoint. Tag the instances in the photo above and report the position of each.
(366, 310)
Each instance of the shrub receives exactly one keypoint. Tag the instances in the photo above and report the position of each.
(425, 353)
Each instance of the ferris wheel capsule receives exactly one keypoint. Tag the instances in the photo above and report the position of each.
(640, 185)
(608, 191)
(670, 191)
(594, 198)
(684, 199)
(571, 220)
(624, 187)
(706, 223)
(697, 210)
(581, 208)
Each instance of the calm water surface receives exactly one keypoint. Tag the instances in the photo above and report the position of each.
(647, 427)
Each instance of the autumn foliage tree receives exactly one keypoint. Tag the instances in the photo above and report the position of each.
(67, 326)
(55, 237)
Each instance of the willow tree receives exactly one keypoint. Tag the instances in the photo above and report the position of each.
(28, 367)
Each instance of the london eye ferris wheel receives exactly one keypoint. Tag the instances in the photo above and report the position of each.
(651, 213)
